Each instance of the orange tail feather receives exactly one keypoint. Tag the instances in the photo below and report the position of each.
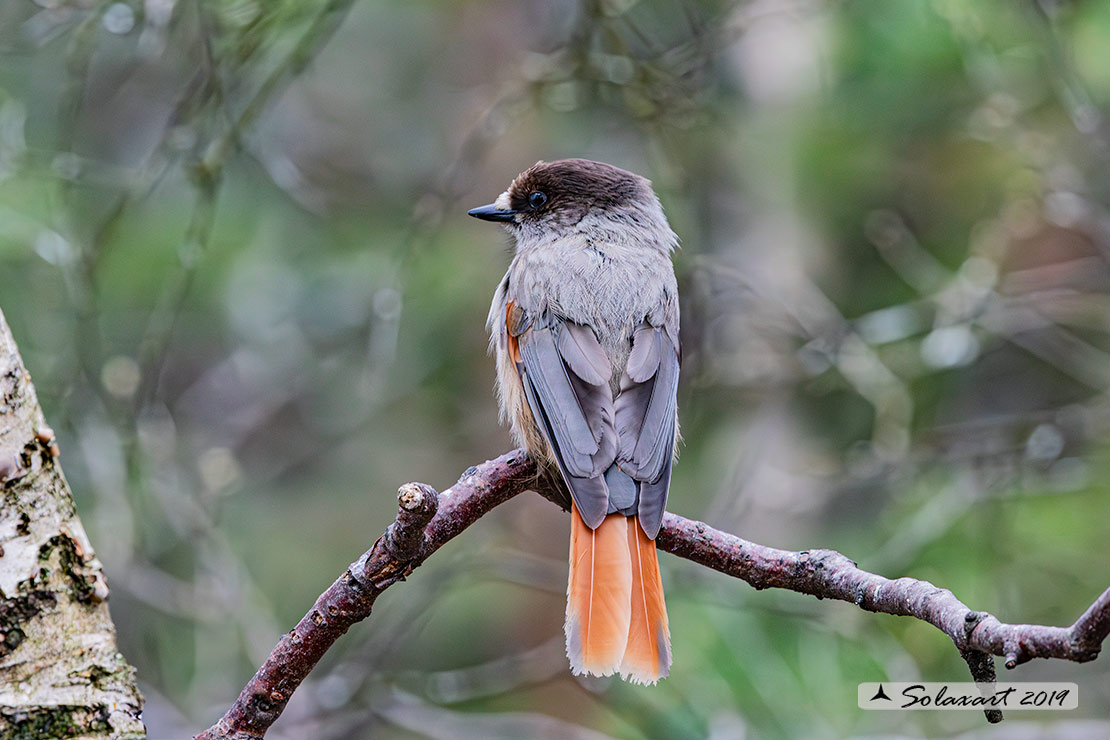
(647, 657)
(599, 608)
(616, 615)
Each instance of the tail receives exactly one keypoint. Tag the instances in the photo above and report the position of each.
(648, 655)
(616, 617)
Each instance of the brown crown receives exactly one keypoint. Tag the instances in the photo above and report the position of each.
(576, 185)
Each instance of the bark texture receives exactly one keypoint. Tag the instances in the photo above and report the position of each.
(61, 674)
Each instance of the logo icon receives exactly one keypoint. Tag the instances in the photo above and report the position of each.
(880, 694)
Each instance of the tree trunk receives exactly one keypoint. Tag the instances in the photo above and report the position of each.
(61, 675)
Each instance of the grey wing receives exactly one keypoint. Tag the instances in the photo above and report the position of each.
(646, 413)
(565, 374)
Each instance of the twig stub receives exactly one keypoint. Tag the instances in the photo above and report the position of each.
(417, 504)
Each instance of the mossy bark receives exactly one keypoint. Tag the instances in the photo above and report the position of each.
(61, 675)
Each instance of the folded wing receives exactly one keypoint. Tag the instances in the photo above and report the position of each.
(565, 374)
(615, 453)
(645, 410)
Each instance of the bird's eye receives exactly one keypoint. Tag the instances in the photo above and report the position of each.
(537, 199)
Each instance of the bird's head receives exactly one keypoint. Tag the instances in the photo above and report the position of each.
(555, 200)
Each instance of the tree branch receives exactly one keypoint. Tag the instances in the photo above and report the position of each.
(425, 522)
(827, 574)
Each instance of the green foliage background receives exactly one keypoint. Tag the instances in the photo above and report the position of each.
(234, 251)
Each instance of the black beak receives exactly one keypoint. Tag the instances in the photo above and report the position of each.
(491, 213)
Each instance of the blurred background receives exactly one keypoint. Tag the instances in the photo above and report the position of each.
(235, 255)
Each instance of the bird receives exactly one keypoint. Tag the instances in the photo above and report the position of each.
(585, 330)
